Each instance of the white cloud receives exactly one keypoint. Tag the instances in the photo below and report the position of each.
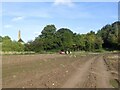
(7, 26)
(23, 14)
(64, 2)
(37, 33)
(18, 18)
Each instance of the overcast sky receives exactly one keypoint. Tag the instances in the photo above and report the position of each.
(32, 17)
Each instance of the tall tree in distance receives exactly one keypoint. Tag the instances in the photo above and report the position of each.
(65, 37)
(48, 30)
(47, 37)
(79, 42)
(109, 34)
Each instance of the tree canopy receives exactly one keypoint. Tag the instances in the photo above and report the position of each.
(109, 34)
(52, 39)
(9, 45)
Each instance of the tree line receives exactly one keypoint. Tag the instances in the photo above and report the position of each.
(64, 39)
(9, 45)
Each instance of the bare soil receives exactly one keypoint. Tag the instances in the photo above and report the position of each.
(55, 71)
(113, 66)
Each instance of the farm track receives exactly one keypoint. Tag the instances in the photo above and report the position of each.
(93, 74)
(61, 72)
(79, 76)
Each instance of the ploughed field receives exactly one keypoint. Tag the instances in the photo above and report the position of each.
(60, 71)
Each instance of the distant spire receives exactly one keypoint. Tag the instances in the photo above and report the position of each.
(19, 38)
(19, 35)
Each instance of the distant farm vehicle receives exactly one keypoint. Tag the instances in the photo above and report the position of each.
(65, 52)
(62, 52)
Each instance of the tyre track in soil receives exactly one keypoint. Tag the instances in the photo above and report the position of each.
(79, 76)
(103, 76)
(93, 74)
(99, 76)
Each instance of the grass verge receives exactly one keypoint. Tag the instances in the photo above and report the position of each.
(114, 83)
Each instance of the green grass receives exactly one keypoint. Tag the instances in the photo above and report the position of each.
(114, 83)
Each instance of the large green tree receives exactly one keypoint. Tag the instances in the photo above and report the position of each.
(48, 31)
(93, 42)
(109, 34)
(47, 40)
(65, 38)
(79, 42)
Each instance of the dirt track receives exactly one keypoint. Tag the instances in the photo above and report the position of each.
(69, 71)
(93, 74)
